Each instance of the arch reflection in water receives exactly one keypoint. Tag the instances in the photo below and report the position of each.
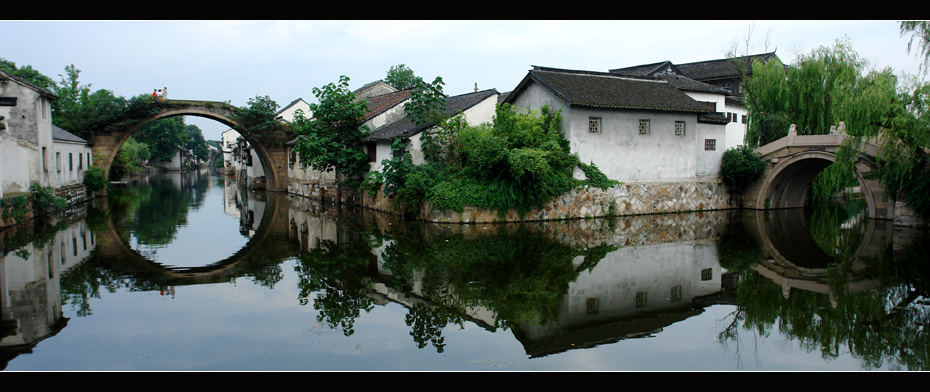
(553, 286)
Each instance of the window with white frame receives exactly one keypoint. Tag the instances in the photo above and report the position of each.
(594, 124)
(679, 128)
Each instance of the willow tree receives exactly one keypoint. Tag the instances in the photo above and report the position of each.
(828, 86)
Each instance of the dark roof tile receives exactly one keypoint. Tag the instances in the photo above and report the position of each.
(403, 127)
(612, 91)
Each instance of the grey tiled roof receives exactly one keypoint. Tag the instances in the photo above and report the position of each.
(721, 68)
(63, 135)
(688, 84)
(611, 91)
(403, 127)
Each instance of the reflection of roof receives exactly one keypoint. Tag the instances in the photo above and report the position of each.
(606, 332)
(403, 127)
(610, 91)
(65, 136)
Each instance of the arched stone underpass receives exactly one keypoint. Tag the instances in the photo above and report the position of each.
(793, 162)
(272, 155)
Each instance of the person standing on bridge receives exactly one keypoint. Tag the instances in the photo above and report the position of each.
(155, 94)
(164, 93)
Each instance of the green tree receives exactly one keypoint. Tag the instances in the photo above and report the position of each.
(196, 142)
(331, 139)
(28, 74)
(258, 122)
(919, 30)
(164, 137)
(402, 77)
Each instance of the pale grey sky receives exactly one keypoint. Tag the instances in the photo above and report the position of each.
(239, 59)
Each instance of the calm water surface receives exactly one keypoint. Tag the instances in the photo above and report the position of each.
(188, 272)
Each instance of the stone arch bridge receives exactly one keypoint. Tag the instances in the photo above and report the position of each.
(272, 154)
(793, 162)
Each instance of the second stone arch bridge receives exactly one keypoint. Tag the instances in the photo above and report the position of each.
(270, 148)
(794, 161)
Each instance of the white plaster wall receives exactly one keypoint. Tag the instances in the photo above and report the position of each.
(13, 174)
(736, 131)
(622, 153)
(288, 114)
(73, 164)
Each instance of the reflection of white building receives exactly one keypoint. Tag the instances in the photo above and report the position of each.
(230, 197)
(30, 293)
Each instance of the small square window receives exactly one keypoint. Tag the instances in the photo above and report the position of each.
(679, 128)
(641, 299)
(710, 144)
(643, 127)
(707, 274)
(591, 306)
(594, 124)
(675, 294)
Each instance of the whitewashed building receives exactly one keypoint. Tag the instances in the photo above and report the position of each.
(476, 108)
(32, 150)
(635, 129)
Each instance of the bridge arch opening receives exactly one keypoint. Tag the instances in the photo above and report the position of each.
(787, 183)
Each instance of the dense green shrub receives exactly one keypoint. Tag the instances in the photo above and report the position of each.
(520, 162)
(44, 198)
(95, 179)
(740, 167)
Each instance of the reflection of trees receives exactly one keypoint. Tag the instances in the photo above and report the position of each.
(519, 275)
(158, 208)
(336, 272)
(888, 325)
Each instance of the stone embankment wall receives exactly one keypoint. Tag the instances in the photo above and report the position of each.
(72, 194)
(590, 202)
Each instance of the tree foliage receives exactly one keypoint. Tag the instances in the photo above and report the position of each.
(331, 139)
(740, 167)
(163, 137)
(519, 162)
(402, 77)
(919, 30)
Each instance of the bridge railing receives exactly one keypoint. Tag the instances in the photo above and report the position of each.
(835, 138)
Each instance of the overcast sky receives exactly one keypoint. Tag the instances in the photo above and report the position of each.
(237, 60)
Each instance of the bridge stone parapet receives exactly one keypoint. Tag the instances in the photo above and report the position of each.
(794, 161)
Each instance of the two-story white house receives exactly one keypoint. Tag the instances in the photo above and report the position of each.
(636, 129)
(32, 150)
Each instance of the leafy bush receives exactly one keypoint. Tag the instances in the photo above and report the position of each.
(45, 198)
(95, 179)
(740, 167)
(520, 162)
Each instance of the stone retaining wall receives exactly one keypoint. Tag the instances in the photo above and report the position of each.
(590, 202)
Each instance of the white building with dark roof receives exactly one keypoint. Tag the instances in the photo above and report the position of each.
(636, 129)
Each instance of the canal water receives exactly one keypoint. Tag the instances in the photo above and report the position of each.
(190, 273)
